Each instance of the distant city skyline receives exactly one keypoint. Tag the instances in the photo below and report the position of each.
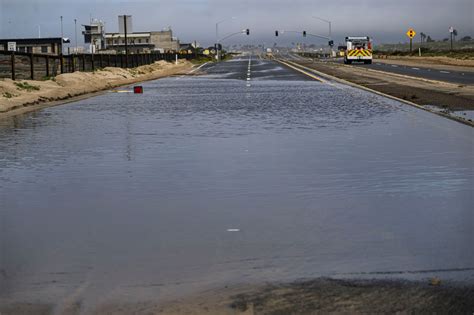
(195, 19)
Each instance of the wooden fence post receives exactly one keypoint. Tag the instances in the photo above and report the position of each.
(100, 61)
(32, 67)
(13, 65)
(61, 62)
(92, 62)
(47, 65)
(73, 67)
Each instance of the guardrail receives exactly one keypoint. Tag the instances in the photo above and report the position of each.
(21, 65)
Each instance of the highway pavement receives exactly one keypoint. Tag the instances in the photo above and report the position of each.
(461, 77)
(248, 173)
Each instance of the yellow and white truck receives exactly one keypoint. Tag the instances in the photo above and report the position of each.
(358, 49)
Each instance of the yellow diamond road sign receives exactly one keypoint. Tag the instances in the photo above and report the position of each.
(411, 33)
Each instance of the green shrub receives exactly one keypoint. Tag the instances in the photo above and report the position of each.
(8, 95)
(26, 86)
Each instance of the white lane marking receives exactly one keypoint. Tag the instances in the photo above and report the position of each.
(233, 230)
(416, 68)
(120, 91)
(395, 66)
(192, 71)
(249, 71)
(378, 64)
(445, 72)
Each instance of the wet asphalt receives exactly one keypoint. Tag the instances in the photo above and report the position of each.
(425, 72)
(250, 172)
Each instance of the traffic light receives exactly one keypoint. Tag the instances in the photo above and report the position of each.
(276, 33)
(304, 33)
(248, 31)
(331, 43)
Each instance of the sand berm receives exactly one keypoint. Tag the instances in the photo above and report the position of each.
(25, 95)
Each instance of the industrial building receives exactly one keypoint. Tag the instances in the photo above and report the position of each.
(51, 45)
(94, 35)
(142, 42)
(137, 42)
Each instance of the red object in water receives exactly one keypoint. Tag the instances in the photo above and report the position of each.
(138, 89)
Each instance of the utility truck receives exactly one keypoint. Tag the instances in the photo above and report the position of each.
(269, 53)
(358, 49)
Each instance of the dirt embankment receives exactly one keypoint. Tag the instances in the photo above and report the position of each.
(319, 296)
(25, 95)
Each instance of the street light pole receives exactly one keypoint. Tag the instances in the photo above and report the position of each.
(75, 33)
(217, 35)
(329, 22)
(62, 34)
(330, 27)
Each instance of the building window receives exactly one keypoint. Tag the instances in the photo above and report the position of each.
(29, 49)
(147, 40)
(22, 49)
(139, 41)
(44, 49)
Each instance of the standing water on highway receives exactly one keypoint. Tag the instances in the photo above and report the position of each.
(218, 179)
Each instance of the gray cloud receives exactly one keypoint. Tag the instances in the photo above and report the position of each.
(386, 21)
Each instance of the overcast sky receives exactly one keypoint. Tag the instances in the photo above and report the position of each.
(385, 21)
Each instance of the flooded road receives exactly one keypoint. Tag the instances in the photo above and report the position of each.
(229, 178)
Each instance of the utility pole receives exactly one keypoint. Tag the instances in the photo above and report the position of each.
(126, 41)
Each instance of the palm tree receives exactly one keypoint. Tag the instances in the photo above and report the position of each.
(422, 36)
